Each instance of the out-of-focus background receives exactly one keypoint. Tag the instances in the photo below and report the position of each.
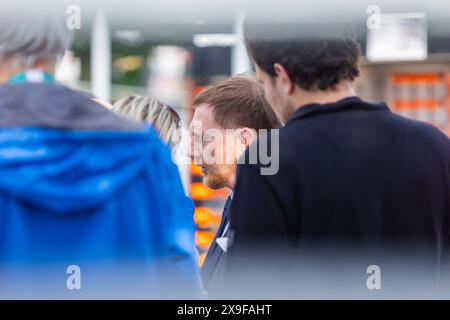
(172, 49)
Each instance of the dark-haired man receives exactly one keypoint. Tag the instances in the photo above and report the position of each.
(357, 186)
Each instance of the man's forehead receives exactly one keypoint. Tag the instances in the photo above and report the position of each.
(204, 114)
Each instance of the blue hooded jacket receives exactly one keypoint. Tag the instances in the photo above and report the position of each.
(88, 212)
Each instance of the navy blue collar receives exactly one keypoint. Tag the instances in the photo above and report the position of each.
(343, 104)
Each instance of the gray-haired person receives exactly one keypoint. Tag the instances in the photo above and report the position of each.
(162, 117)
(83, 192)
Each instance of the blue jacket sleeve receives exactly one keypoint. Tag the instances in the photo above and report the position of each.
(179, 251)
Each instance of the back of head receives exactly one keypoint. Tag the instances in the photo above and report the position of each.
(28, 36)
(165, 119)
(239, 101)
(317, 56)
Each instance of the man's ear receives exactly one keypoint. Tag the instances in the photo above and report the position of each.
(247, 136)
(287, 85)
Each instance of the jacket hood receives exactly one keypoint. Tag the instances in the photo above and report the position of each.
(66, 170)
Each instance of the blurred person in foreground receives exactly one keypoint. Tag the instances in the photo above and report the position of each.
(228, 116)
(91, 204)
(165, 120)
(360, 206)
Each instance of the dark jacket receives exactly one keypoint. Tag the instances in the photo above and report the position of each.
(213, 267)
(357, 185)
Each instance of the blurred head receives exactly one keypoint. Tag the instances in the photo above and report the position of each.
(163, 118)
(31, 40)
(227, 118)
(292, 60)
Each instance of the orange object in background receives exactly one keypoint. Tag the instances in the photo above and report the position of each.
(448, 105)
(420, 96)
(201, 192)
(409, 78)
(203, 239)
(201, 259)
(196, 170)
(206, 217)
(199, 89)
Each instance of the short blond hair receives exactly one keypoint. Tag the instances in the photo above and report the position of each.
(162, 117)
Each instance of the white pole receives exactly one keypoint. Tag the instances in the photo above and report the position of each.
(239, 59)
(101, 58)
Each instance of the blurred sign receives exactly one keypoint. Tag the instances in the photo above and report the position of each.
(167, 67)
(208, 63)
(215, 40)
(400, 37)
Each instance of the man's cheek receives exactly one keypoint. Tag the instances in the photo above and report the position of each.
(209, 154)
